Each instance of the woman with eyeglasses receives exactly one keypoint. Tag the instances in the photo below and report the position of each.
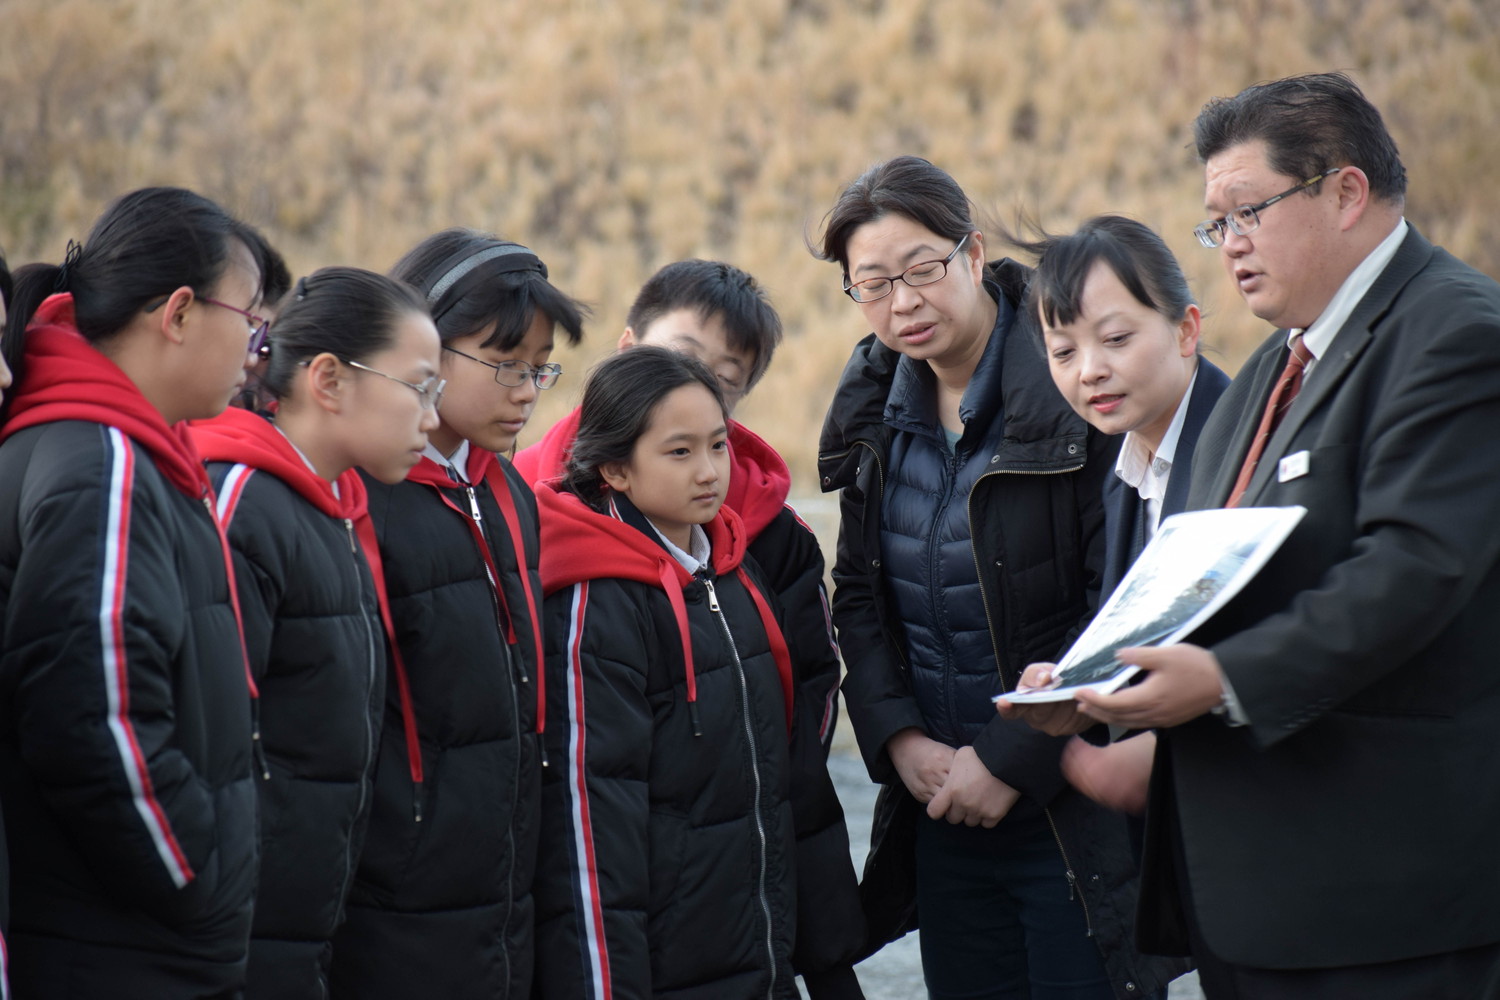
(353, 367)
(126, 706)
(441, 904)
(970, 545)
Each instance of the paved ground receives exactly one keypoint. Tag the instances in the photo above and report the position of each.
(895, 972)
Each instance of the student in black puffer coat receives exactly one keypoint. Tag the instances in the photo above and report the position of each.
(311, 594)
(441, 905)
(125, 701)
(668, 865)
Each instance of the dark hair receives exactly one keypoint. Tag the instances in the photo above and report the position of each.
(619, 402)
(5, 283)
(471, 279)
(1309, 124)
(147, 244)
(345, 311)
(275, 278)
(712, 288)
(908, 186)
(1136, 254)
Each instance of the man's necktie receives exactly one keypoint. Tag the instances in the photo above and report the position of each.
(1281, 400)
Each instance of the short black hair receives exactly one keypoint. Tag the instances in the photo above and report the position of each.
(711, 289)
(1309, 124)
(344, 311)
(1132, 250)
(619, 402)
(908, 186)
(472, 279)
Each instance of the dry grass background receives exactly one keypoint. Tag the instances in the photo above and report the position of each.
(617, 136)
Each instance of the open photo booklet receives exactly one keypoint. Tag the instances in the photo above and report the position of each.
(1194, 563)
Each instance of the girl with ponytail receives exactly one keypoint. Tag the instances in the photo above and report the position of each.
(126, 707)
(352, 364)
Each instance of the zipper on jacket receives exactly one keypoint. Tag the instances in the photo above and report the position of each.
(1071, 876)
(478, 516)
(518, 663)
(368, 768)
(257, 748)
(760, 828)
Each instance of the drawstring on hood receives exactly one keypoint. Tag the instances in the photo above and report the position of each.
(67, 378)
(483, 466)
(581, 544)
(251, 439)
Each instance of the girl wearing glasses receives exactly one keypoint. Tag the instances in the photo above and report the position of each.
(669, 840)
(441, 904)
(970, 544)
(353, 367)
(125, 700)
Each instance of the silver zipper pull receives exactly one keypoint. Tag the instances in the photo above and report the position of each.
(713, 598)
(474, 505)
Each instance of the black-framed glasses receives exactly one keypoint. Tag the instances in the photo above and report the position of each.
(260, 327)
(925, 273)
(430, 388)
(513, 373)
(1245, 219)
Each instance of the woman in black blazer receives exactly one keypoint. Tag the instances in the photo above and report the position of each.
(1121, 333)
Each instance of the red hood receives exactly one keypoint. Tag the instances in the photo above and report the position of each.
(579, 543)
(759, 480)
(241, 436)
(66, 378)
(430, 473)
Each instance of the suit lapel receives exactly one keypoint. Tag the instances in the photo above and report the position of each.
(1345, 349)
(1233, 442)
(1208, 385)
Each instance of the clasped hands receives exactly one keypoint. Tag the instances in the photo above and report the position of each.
(954, 784)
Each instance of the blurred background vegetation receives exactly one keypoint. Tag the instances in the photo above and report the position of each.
(617, 135)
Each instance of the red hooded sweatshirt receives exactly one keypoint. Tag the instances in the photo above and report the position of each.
(758, 480)
(579, 544)
(67, 378)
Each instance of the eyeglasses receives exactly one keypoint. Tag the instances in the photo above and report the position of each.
(430, 388)
(1246, 219)
(916, 276)
(259, 325)
(514, 373)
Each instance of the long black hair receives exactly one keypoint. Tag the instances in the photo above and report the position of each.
(146, 245)
(344, 311)
(471, 279)
(619, 403)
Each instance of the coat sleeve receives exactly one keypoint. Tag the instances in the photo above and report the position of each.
(592, 888)
(1420, 501)
(830, 925)
(1024, 758)
(258, 570)
(93, 626)
(877, 688)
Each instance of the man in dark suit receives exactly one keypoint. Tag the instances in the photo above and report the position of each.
(1326, 795)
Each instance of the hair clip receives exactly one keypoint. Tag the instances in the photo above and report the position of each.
(300, 292)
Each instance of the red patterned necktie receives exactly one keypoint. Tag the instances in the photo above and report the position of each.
(1281, 400)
